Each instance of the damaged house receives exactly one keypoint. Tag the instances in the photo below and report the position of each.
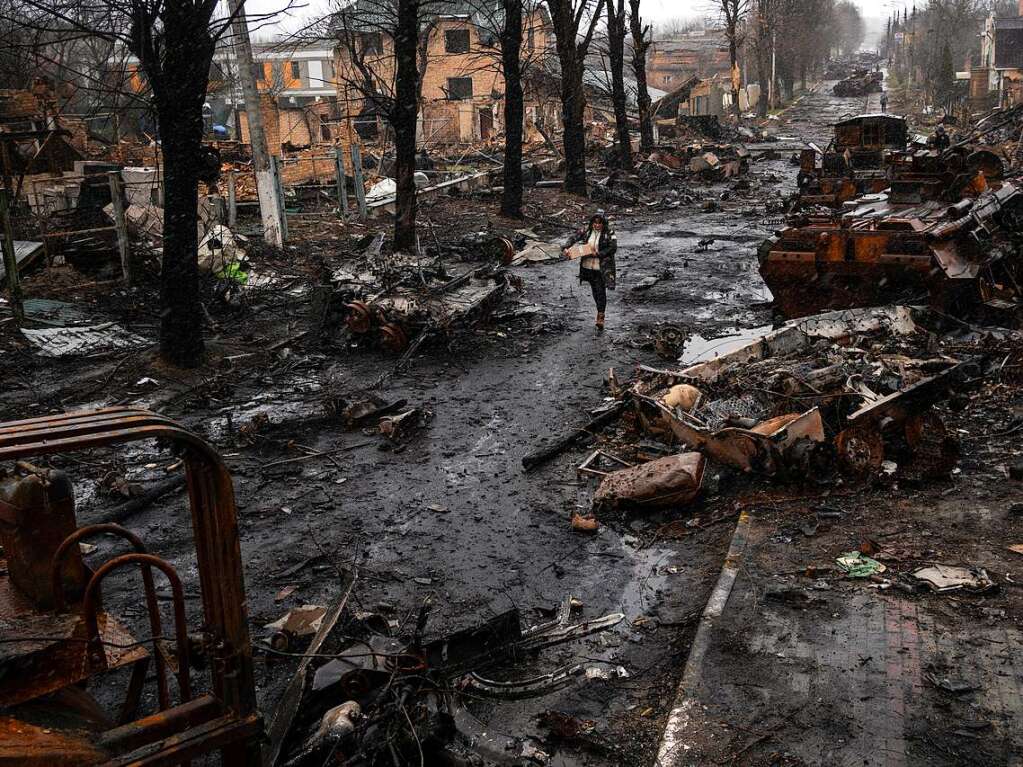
(998, 81)
(462, 88)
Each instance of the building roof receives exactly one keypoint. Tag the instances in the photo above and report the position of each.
(600, 82)
(486, 14)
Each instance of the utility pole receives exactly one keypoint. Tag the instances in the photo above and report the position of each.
(266, 185)
(770, 90)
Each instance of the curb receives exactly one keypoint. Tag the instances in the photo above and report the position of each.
(674, 747)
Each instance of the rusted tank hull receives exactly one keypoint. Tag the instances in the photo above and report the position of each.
(951, 256)
(803, 283)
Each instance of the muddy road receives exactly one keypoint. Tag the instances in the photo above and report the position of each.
(453, 517)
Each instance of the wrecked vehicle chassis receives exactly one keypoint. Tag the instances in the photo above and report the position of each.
(60, 636)
(848, 427)
(954, 256)
(395, 317)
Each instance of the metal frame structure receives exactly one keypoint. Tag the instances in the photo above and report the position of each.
(225, 719)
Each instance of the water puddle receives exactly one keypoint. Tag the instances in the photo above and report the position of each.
(700, 349)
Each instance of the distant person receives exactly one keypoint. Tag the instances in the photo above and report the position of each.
(597, 263)
(940, 139)
(209, 168)
(884, 101)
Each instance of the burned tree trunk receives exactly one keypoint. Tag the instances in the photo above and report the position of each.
(404, 112)
(511, 46)
(640, 44)
(179, 75)
(566, 18)
(573, 108)
(181, 317)
(616, 55)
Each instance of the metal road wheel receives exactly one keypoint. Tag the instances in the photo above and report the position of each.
(360, 317)
(860, 450)
(393, 338)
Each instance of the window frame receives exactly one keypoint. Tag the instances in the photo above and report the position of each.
(459, 33)
(377, 48)
(451, 90)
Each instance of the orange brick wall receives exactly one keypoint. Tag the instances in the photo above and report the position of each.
(271, 123)
(481, 63)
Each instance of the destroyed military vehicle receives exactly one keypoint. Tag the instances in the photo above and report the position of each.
(954, 255)
(854, 162)
(872, 152)
(859, 83)
(393, 301)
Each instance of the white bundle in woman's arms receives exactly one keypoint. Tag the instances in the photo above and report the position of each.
(581, 250)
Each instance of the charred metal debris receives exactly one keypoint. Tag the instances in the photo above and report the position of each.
(883, 216)
(848, 395)
(367, 691)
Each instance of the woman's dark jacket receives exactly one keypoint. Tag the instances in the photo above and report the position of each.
(606, 248)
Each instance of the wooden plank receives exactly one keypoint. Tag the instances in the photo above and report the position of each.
(284, 714)
(120, 224)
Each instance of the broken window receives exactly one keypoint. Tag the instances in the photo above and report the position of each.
(456, 41)
(459, 87)
(372, 42)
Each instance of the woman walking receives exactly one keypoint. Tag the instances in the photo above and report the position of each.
(595, 248)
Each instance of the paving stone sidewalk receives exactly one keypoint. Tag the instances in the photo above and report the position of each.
(818, 669)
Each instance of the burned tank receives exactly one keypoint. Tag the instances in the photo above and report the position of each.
(859, 83)
(870, 154)
(886, 248)
(854, 163)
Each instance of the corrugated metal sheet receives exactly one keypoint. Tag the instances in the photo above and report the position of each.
(81, 341)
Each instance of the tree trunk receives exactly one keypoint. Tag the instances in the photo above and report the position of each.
(571, 55)
(404, 113)
(733, 58)
(181, 124)
(511, 45)
(573, 106)
(763, 74)
(616, 54)
(639, 48)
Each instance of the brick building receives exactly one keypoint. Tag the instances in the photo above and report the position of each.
(702, 52)
(463, 87)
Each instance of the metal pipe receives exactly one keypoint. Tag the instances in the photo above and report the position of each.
(152, 606)
(89, 608)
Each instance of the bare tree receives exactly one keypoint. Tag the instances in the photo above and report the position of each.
(732, 14)
(616, 55)
(384, 44)
(174, 42)
(514, 110)
(641, 39)
(574, 24)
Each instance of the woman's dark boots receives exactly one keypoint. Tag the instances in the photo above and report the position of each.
(600, 320)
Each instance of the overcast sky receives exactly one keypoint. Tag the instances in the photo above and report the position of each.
(655, 10)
